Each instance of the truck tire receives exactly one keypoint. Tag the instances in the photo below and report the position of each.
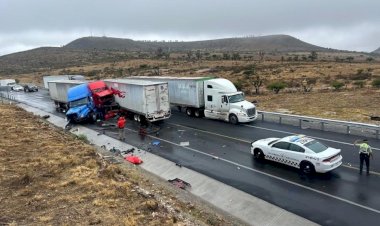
(198, 113)
(189, 112)
(93, 117)
(233, 119)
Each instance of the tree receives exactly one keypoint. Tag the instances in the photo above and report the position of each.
(257, 82)
(261, 55)
(189, 55)
(198, 55)
(313, 55)
(236, 56)
(226, 56)
(159, 52)
(350, 59)
(276, 86)
(369, 59)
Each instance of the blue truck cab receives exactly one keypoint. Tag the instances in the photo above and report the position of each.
(81, 104)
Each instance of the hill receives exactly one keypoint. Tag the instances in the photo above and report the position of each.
(90, 50)
(377, 51)
(271, 43)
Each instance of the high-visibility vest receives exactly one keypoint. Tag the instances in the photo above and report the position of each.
(364, 148)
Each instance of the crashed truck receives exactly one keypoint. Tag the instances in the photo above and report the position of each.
(83, 100)
(142, 100)
(214, 98)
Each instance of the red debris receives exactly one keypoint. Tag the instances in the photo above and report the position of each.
(133, 159)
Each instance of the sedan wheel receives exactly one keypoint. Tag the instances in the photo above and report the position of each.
(307, 168)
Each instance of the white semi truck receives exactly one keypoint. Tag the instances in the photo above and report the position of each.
(214, 98)
(145, 100)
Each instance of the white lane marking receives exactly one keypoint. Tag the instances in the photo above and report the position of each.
(217, 134)
(267, 174)
(319, 138)
(246, 141)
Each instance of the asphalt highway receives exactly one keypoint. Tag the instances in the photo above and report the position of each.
(222, 151)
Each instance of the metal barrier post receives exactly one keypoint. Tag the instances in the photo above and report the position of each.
(280, 120)
(322, 126)
(262, 117)
(300, 123)
(348, 129)
(377, 134)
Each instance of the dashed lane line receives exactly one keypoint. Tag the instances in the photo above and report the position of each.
(268, 175)
(246, 141)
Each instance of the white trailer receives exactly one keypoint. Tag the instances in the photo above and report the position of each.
(142, 99)
(58, 92)
(7, 82)
(48, 78)
(214, 98)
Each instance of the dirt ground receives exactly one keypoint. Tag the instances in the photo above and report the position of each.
(48, 176)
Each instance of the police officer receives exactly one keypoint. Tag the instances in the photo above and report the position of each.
(365, 152)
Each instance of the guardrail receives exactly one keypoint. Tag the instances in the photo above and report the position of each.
(362, 129)
(7, 96)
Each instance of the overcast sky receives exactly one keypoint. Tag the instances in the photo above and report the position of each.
(340, 24)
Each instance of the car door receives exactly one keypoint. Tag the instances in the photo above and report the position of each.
(278, 151)
(293, 155)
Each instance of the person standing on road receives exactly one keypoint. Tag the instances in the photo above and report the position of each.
(365, 152)
(121, 124)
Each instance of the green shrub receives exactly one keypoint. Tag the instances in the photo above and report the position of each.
(83, 138)
(337, 85)
(276, 86)
(376, 83)
(359, 84)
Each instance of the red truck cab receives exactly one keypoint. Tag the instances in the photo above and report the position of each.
(103, 98)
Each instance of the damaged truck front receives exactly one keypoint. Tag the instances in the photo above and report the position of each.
(81, 104)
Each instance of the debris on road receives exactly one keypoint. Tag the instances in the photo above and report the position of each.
(45, 116)
(180, 183)
(155, 142)
(133, 159)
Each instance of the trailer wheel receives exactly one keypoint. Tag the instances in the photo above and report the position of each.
(189, 112)
(233, 119)
(198, 113)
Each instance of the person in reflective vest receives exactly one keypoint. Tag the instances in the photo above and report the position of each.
(365, 152)
(121, 124)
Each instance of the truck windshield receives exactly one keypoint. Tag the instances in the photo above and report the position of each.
(236, 98)
(79, 102)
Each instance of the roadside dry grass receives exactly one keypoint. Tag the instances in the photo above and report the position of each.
(50, 177)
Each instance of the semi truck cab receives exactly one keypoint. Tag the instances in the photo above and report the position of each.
(224, 102)
(81, 104)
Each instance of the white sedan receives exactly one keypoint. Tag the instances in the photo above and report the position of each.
(298, 151)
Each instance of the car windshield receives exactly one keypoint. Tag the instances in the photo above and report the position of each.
(79, 102)
(236, 98)
(270, 143)
(316, 146)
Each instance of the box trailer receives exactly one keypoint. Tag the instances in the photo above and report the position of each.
(214, 98)
(58, 92)
(145, 100)
(48, 78)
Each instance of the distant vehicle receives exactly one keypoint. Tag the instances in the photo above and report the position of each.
(30, 88)
(17, 88)
(49, 78)
(300, 151)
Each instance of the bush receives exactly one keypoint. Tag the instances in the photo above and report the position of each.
(376, 83)
(359, 84)
(337, 85)
(276, 86)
